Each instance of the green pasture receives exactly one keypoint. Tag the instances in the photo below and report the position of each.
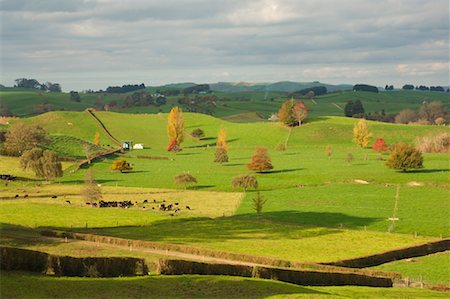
(27, 285)
(431, 269)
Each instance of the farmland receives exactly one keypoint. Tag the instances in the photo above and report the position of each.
(317, 209)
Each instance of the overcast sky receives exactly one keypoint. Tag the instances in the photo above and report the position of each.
(93, 44)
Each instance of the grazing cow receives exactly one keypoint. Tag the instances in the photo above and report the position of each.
(54, 196)
(145, 201)
(177, 209)
(171, 214)
(68, 201)
(153, 208)
(154, 201)
(88, 203)
(188, 207)
(94, 204)
(25, 196)
(176, 204)
(164, 200)
(17, 196)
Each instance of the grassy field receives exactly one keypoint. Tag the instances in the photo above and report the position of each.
(24, 285)
(317, 210)
(432, 269)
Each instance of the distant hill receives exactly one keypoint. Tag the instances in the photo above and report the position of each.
(282, 86)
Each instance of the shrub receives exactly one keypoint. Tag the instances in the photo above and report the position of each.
(329, 151)
(434, 144)
(121, 165)
(245, 182)
(349, 158)
(185, 179)
(440, 121)
(404, 157)
(380, 145)
(198, 133)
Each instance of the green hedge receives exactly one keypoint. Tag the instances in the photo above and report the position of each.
(35, 261)
(393, 255)
(300, 277)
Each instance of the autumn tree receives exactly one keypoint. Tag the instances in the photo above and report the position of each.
(286, 115)
(44, 163)
(121, 165)
(433, 110)
(185, 179)
(91, 191)
(22, 137)
(97, 138)
(300, 112)
(361, 135)
(380, 145)
(329, 151)
(245, 182)
(406, 116)
(175, 128)
(404, 157)
(260, 161)
(292, 113)
(221, 154)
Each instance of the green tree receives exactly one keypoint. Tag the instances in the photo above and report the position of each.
(286, 113)
(44, 163)
(258, 203)
(404, 157)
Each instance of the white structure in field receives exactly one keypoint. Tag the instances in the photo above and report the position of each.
(138, 146)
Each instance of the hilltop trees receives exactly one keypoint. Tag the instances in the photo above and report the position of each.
(404, 157)
(260, 161)
(361, 135)
(292, 113)
(175, 129)
(221, 154)
(22, 137)
(354, 109)
(44, 163)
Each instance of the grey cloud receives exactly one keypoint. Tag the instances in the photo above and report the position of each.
(270, 39)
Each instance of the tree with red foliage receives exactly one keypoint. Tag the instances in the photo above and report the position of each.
(380, 145)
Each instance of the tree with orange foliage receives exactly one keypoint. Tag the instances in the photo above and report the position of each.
(221, 154)
(175, 129)
(260, 161)
(300, 112)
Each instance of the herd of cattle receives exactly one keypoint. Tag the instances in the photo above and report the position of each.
(161, 206)
(125, 204)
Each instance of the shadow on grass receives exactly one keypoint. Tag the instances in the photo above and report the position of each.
(281, 171)
(233, 164)
(100, 181)
(205, 230)
(160, 286)
(321, 219)
(426, 170)
(210, 144)
(200, 187)
(20, 236)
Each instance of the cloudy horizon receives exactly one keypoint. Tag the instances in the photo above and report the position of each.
(93, 44)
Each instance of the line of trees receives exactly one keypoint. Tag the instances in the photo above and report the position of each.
(125, 88)
(34, 84)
